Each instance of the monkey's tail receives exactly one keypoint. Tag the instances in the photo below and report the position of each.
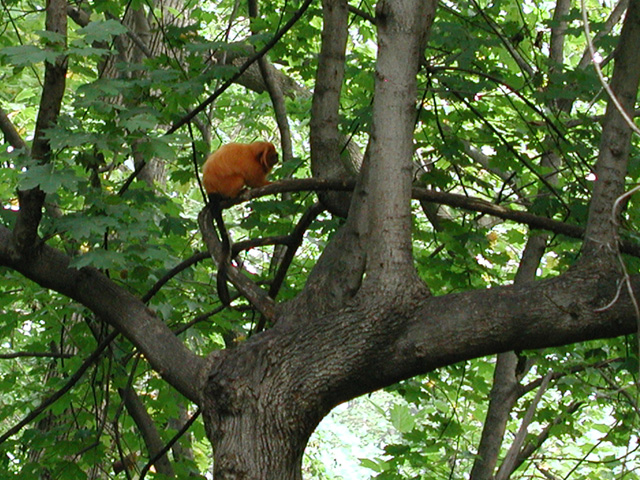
(223, 265)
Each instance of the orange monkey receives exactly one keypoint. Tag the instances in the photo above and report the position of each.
(225, 174)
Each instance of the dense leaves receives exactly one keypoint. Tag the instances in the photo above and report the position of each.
(492, 108)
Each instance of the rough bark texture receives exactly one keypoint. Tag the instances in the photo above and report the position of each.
(50, 268)
(26, 230)
(326, 141)
(402, 33)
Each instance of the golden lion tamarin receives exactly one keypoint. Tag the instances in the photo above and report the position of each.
(225, 173)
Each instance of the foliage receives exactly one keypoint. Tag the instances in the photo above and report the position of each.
(473, 92)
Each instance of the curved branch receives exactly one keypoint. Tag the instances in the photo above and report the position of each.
(254, 294)
(167, 355)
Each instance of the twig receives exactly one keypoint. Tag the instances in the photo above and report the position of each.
(73, 379)
(198, 257)
(170, 444)
(596, 66)
(9, 356)
(509, 462)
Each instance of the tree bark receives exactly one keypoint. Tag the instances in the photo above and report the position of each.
(611, 166)
(25, 232)
(325, 139)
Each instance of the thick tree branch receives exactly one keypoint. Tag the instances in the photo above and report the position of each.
(325, 139)
(559, 311)
(558, 32)
(31, 201)
(403, 27)
(166, 354)
(432, 332)
(611, 166)
(503, 396)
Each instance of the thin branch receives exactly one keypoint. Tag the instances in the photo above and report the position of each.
(596, 66)
(604, 30)
(632, 401)
(275, 93)
(361, 13)
(9, 356)
(243, 68)
(579, 368)
(198, 257)
(295, 239)
(10, 132)
(510, 147)
(220, 90)
(532, 446)
(508, 465)
(473, 204)
(524, 66)
(170, 444)
(73, 379)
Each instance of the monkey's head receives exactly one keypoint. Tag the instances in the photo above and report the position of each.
(268, 156)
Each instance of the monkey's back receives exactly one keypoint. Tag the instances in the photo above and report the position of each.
(227, 170)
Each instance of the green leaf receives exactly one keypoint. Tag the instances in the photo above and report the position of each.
(402, 419)
(101, 259)
(47, 178)
(376, 466)
(27, 55)
(102, 31)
